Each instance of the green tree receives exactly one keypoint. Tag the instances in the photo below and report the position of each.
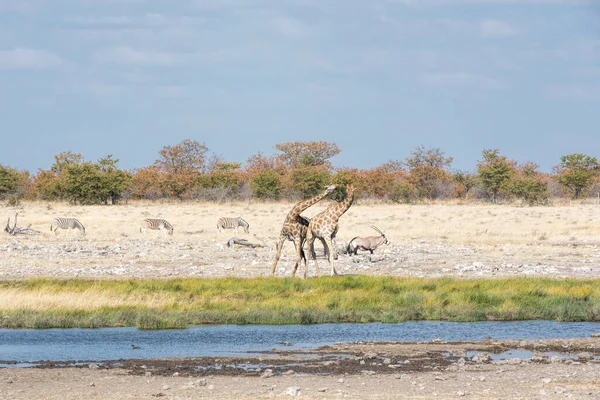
(494, 171)
(113, 180)
(266, 185)
(529, 185)
(309, 181)
(81, 183)
(465, 181)
(576, 173)
(11, 181)
(225, 175)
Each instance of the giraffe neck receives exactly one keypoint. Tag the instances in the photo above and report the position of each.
(304, 204)
(340, 208)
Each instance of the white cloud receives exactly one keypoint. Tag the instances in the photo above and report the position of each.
(491, 28)
(26, 58)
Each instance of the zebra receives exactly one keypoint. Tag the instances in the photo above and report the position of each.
(232, 223)
(156, 224)
(66, 223)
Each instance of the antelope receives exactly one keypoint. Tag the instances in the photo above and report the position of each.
(370, 243)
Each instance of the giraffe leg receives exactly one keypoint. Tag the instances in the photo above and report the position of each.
(314, 256)
(310, 241)
(331, 256)
(277, 254)
(299, 256)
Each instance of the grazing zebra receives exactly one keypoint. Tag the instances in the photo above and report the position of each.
(156, 224)
(66, 223)
(232, 223)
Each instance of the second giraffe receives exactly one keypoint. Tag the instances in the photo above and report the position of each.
(324, 226)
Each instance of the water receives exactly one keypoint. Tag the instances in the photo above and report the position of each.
(28, 346)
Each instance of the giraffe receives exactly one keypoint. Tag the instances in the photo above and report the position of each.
(324, 226)
(294, 229)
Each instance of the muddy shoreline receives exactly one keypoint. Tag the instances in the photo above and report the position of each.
(560, 368)
(356, 357)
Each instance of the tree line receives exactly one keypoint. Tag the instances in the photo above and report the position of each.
(189, 171)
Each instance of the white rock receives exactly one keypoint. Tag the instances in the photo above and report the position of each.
(293, 391)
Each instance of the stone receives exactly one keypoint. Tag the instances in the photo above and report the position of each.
(481, 358)
(267, 374)
(293, 391)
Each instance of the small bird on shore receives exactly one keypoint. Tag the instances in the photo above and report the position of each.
(286, 343)
(133, 346)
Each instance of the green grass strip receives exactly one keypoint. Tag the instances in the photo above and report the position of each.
(178, 303)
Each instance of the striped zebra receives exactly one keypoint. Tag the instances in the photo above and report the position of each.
(232, 223)
(66, 223)
(156, 224)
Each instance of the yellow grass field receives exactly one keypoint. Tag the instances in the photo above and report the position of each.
(426, 241)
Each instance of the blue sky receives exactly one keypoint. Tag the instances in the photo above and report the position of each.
(378, 78)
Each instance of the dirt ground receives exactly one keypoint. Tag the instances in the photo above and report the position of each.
(467, 241)
(425, 241)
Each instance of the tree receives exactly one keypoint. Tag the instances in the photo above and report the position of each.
(184, 157)
(529, 185)
(45, 185)
(180, 165)
(113, 181)
(465, 181)
(306, 154)
(433, 157)
(260, 163)
(81, 183)
(494, 171)
(11, 181)
(309, 181)
(63, 159)
(576, 173)
(225, 175)
(381, 181)
(266, 185)
(145, 183)
(427, 168)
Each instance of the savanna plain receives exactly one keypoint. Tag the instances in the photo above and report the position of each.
(444, 261)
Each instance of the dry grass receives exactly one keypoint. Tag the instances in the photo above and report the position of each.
(429, 240)
(453, 222)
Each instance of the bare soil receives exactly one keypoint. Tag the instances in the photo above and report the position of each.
(426, 241)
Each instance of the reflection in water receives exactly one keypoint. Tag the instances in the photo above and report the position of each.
(235, 340)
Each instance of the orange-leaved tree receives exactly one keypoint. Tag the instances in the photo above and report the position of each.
(180, 165)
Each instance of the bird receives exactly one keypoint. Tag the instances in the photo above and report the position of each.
(133, 346)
